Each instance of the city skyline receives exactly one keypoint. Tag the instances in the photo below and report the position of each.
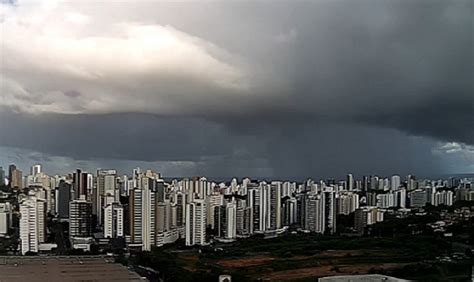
(275, 89)
(145, 210)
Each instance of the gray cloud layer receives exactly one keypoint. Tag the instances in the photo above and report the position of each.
(242, 88)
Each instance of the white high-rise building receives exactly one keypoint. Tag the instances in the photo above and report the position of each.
(274, 206)
(315, 214)
(212, 201)
(195, 226)
(113, 221)
(32, 224)
(347, 203)
(163, 216)
(385, 200)
(228, 221)
(395, 182)
(105, 189)
(330, 210)
(5, 218)
(143, 214)
(258, 203)
(443, 198)
(350, 182)
(36, 169)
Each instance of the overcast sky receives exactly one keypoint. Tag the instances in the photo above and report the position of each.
(239, 88)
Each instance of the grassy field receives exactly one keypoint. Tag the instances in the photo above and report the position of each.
(305, 257)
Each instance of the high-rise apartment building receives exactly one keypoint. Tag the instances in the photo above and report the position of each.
(289, 211)
(32, 224)
(275, 206)
(15, 177)
(113, 221)
(2, 176)
(142, 208)
(105, 188)
(418, 198)
(226, 221)
(5, 218)
(350, 182)
(80, 218)
(347, 203)
(195, 227)
(330, 211)
(395, 182)
(36, 169)
(367, 216)
(63, 197)
(315, 214)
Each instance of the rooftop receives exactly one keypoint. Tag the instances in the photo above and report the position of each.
(64, 269)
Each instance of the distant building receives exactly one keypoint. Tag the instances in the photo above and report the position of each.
(350, 182)
(5, 218)
(15, 177)
(2, 176)
(395, 182)
(367, 216)
(36, 169)
(347, 203)
(418, 198)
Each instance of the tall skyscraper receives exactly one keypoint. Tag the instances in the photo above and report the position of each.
(212, 201)
(226, 221)
(257, 196)
(11, 168)
(135, 207)
(330, 211)
(395, 182)
(80, 218)
(15, 177)
(142, 208)
(113, 221)
(32, 224)
(163, 216)
(105, 188)
(36, 169)
(244, 222)
(63, 197)
(289, 211)
(347, 203)
(79, 186)
(196, 223)
(315, 214)
(350, 182)
(275, 206)
(6, 213)
(2, 176)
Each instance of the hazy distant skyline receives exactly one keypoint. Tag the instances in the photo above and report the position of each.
(286, 89)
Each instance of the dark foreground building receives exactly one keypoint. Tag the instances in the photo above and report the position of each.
(64, 269)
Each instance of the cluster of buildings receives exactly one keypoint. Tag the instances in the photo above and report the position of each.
(146, 211)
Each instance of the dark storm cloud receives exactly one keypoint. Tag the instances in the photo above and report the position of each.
(291, 89)
(257, 149)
